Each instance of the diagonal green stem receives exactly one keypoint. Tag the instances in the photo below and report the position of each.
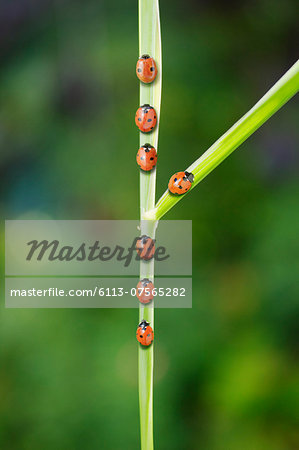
(274, 99)
(149, 43)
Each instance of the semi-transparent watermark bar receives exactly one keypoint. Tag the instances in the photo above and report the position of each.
(96, 264)
(95, 247)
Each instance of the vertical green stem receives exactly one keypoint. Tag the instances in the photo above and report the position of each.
(149, 43)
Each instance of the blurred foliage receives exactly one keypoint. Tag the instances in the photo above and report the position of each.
(226, 371)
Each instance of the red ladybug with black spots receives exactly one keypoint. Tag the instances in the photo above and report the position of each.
(145, 247)
(146, 118)
(145, 333)
(146, 69)
(180, 182)
(146, 157)
(144, 291)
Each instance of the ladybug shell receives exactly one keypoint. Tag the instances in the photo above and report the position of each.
(146, 69)
(144, 291)
(145, 247)
(146, 157)
(146, 118)
(179, 183)
(145, 335)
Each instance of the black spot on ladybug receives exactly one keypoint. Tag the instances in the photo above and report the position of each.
(180, 187)
(139, 120)
(149, 120)
(139, 70)
(152, 69)
(152, 128)
(175, 179)
(142, 158)
(152, 158)
(155, 117)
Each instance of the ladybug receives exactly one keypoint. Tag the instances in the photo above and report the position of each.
(146, 118)
(146, 69)
(145, 247)
(144, 290)
(146, 157)
(180, 182)
(145, 333)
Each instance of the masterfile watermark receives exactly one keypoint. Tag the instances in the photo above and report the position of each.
(56, 250)
(96, 264)
(94, 293)
(96, 247)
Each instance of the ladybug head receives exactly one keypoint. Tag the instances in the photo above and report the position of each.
(189, 176)
(145, 281)
(147, 147)
(145, 57)
(143, 324)
(146, 108)
(144, 238)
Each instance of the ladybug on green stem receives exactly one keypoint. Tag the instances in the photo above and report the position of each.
(146, 69)
(145, 333)
(180, 182)
(145, 247)
(146, 157)
(146, 118)
(144, 291)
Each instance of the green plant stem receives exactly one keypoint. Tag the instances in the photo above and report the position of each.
(274, 99)
(149, 43)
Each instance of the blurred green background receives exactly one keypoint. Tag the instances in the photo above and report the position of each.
(226, 372)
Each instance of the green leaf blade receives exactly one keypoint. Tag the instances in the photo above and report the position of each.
(271, 102)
